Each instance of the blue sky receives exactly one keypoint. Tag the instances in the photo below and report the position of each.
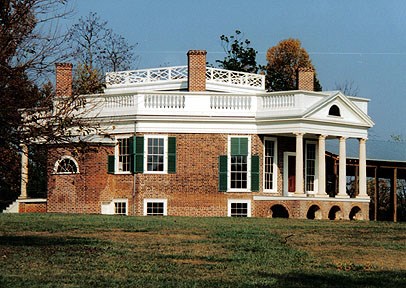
(360, 41)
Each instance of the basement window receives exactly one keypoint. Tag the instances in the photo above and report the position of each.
(239, 208)
(155, 207)
(120, 207)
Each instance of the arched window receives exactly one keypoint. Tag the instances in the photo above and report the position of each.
(66, 165)
(334, 111)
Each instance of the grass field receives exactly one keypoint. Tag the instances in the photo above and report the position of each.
(46, 250)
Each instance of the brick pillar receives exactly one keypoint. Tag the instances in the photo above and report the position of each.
(305, 79)
(197, 70)
(63, 79)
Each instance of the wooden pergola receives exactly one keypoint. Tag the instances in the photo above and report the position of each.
(383, 177)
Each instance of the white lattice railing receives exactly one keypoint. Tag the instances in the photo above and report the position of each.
(164, 101)
(134, 77)
(235, 78)
(122, 78)
(278, 101)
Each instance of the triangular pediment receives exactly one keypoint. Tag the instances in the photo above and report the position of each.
(339, 109)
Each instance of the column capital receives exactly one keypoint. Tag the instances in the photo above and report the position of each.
(322, 136)
(342, 138)
(299, 134)
(362, 140)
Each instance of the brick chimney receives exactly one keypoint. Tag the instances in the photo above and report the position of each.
(63, 79)
(197, 70)
(305, 79)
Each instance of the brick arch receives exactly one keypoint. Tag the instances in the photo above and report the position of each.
(356, 213)
(279, 211)
(335, 213)
(314, 212)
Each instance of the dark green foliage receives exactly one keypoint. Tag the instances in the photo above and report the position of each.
(239, 55)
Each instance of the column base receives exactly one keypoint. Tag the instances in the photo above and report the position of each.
(300, 195)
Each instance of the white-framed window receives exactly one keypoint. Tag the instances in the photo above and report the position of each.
(270, 164)
(239, 208)
(115, 207)
(155, 207)
(311, 167)
(155, 154)
(123, 153)
(66, 165)
(239, 161)
(120, 206)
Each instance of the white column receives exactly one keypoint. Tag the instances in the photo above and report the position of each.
(322, 167)
(362, 169)
(299, 165)
(342, 170)
(24, 171)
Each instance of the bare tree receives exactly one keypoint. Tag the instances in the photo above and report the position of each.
(97, 49)
(30, 45)
(347, 88)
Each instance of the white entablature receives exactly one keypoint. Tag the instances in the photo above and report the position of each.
(158, 100)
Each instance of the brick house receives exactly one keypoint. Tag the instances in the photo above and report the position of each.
(199, 141)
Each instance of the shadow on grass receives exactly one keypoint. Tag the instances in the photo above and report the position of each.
(41, 241)
(341, 279)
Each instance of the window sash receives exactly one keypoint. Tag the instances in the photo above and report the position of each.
(239, 172)
(155, 208)
(310, 167)
(269, 162)
(124, 155)
(120, 208)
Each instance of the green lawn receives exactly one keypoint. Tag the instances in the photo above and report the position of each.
(47, 250)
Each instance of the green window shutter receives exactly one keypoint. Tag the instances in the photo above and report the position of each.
(223, 173)
(110, 164)
(171, 154)
(255, 173)
(239, 146)
(138, 154)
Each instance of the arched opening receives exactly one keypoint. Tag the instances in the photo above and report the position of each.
(279, 211)
(356, 213)
(66, 165)
(314, 212)
(335, 213)
(334, 111)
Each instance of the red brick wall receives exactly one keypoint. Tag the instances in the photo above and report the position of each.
(32, 207)
(191, 191)
(84, 192)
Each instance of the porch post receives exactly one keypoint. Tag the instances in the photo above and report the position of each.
(24, 171)
(322, 166)
(342, 170)
(362, 169)
(299, 165)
